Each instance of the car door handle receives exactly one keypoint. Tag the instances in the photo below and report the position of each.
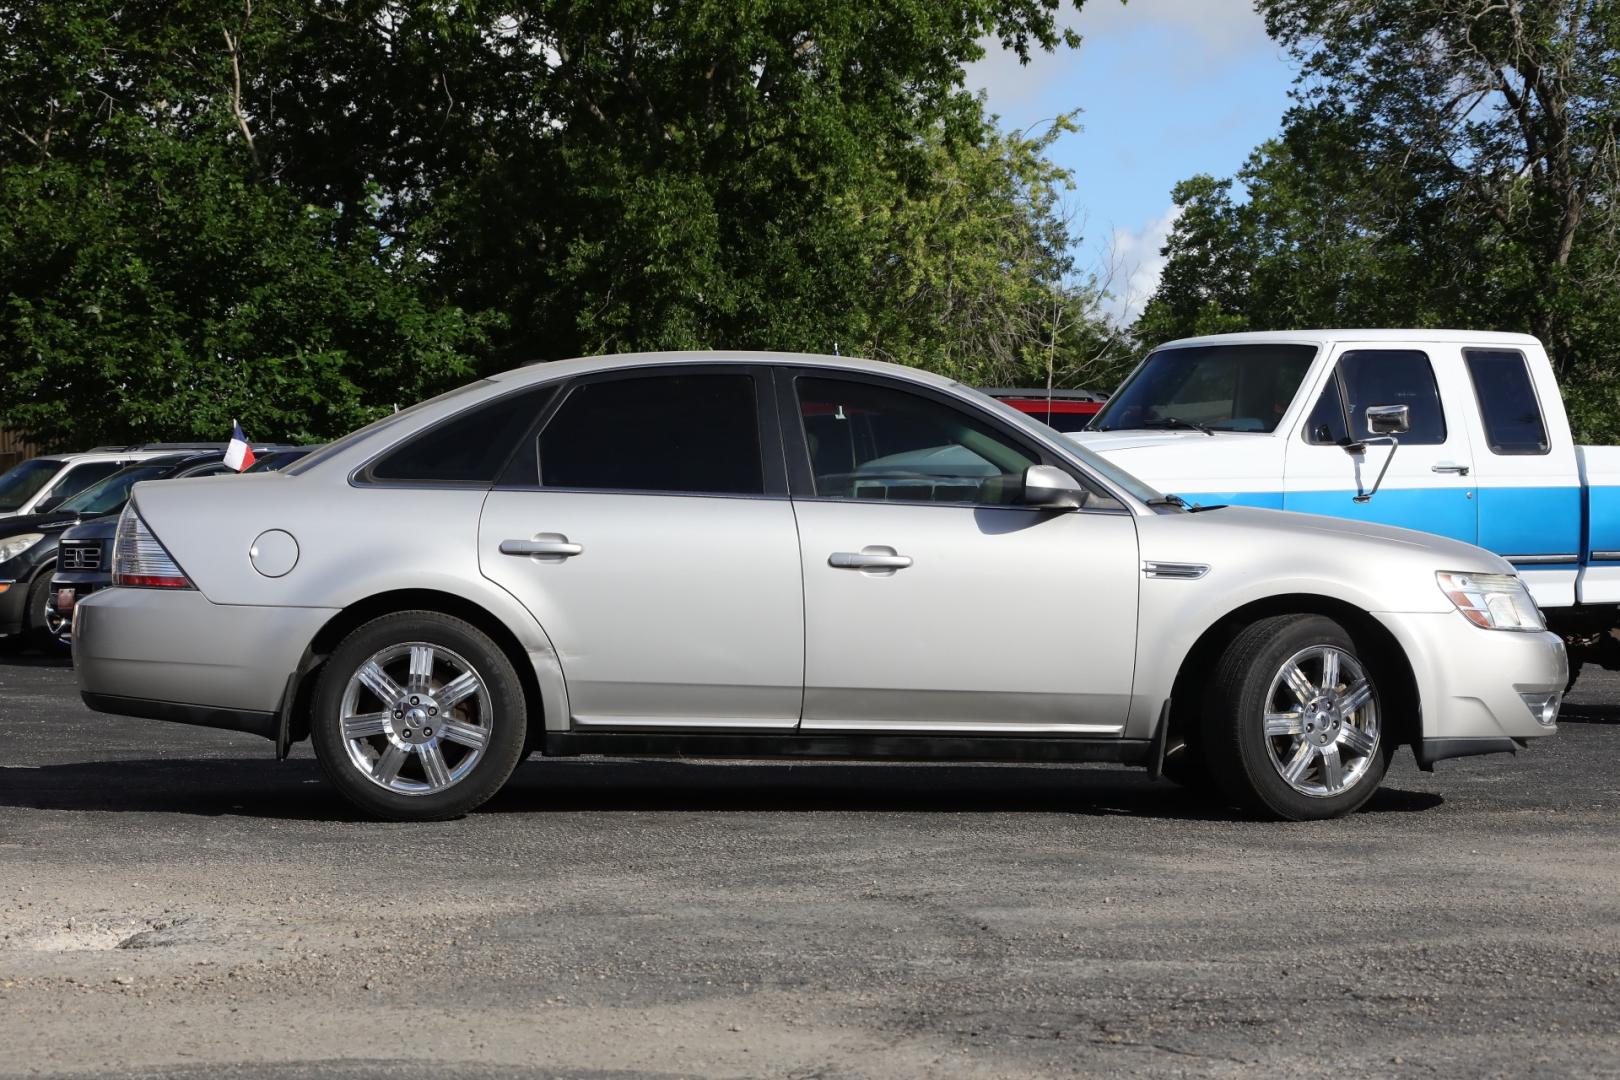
(559, 546)
(1449, 467)
(868, 560)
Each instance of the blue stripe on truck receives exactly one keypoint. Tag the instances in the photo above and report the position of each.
(1509, 521)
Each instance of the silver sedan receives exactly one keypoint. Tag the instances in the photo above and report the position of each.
(724, 554)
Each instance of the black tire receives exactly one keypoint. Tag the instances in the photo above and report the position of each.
(34, 632)
(1235, 746)
(507, 721)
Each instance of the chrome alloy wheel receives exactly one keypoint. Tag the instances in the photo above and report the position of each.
(1321, 721)
(416, 718)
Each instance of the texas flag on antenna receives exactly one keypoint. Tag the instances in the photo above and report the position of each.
(238, 455)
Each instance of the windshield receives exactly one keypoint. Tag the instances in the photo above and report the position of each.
(21, 482)
(112, 493)
(1218, 387)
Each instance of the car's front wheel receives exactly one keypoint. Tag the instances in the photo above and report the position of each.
(418, 716)
(1291, 722)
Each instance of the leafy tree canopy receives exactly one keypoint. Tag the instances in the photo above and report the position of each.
(305, 212)
(1447, 163)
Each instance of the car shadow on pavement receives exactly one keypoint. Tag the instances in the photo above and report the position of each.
(1589, 714)
(33, 659)
(294, 790)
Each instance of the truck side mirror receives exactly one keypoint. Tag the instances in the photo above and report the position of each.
(1389, 419)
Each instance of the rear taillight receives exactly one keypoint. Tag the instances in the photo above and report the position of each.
(139, 560)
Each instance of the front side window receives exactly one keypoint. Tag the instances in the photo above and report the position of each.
(694, 434)
(871, 442)
(469, 448)
(1393, 377)
(1327, 424)
(1507, 401)
(1237, 387)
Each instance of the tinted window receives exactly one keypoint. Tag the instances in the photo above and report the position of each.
(20, 483)
(113, 492)
(1393, 377)
(469, 448)
(688, 433)
(1223, 387)
(1507, 401)
(1326, 422)
(75, 480)
(871, 442)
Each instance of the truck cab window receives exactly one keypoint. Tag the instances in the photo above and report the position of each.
(1507, 401)
(1393, 377)
(1326, 423)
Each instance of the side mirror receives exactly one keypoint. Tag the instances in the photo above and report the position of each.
(1389, 419)
(1051, 487)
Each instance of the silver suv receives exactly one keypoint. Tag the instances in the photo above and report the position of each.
(723, 554)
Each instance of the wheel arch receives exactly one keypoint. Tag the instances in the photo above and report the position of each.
(1397, 683)
(376, 605)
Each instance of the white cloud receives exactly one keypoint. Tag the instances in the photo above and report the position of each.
(1214, 31)
(1135, 265)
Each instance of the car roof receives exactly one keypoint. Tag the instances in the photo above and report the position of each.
(1323, 337)
(547, 371)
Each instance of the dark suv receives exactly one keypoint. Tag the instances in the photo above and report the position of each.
(84, 551)
(28, 544)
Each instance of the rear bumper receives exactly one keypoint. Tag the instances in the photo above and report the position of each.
(173, 655)
(254, 723)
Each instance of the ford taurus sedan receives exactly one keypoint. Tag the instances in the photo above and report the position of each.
(721, 555)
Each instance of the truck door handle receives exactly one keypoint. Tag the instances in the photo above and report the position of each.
(868, 560)
(558, 546)
(1449, 467)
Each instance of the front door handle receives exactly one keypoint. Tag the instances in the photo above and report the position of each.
(545, 544)
(1449, 467)
(869, 559)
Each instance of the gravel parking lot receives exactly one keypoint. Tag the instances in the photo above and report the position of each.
(173, 902)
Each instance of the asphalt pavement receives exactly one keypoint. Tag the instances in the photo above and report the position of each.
(173, 902)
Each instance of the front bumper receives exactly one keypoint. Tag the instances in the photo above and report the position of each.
(174, 655)
(13, 606)
(1470, 681)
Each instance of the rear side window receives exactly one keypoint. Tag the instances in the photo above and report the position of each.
(1507, 401)
(469, 448)
(1393, 377)
(694, 434)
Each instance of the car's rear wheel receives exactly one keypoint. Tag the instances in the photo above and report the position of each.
(1292, 725)
(418, 716)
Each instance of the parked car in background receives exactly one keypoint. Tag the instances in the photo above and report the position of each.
(737, 554)
(1065, 410)
(29, 544)
(40, 484)
(1455, 433)
(276, 460)
(84, 562)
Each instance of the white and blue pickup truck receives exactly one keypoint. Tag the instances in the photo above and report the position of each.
(1457, 433)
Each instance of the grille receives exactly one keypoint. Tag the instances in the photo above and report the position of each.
(78, 555)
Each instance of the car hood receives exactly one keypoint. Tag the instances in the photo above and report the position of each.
(97, 528)
(1107, 442)
(45, 523)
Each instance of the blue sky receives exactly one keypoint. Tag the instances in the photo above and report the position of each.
(1167, 89)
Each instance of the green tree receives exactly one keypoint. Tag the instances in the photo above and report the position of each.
(1447, 163)
(303, 212)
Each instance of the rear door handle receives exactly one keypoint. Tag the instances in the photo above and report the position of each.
(1449, 467)
(548, 546)
(868, 560)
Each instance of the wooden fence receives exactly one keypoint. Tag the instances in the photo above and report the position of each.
(13, 449)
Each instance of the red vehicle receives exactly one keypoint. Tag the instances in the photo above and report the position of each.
(1066, 410)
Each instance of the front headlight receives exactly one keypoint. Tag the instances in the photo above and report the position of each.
(1494, 601)
(12, 546)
